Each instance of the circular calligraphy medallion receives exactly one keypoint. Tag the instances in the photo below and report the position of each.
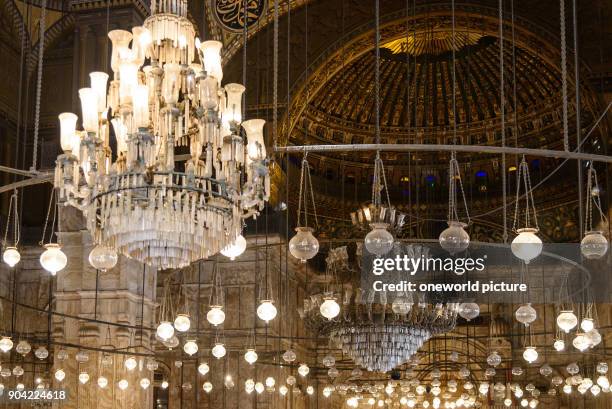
(231, 13)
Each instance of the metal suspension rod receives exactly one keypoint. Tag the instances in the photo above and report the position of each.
(394, 147)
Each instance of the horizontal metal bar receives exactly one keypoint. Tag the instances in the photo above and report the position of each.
(394, 147)
(15, 171)
(43, 178)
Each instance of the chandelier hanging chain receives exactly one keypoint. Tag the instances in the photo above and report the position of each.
(52, 205)
(42, 28)
(275, 78)
(564, 73)
(593, 199)
(523, 177)
(377, 73)
(502, 97)
(454, 180)
(454, 75)
(13, 211)
(305, 190)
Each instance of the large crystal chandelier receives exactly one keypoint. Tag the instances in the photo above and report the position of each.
(173, 180)
(378, 331)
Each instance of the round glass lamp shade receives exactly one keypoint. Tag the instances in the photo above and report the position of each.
(567, 320)
(266, 310)
(587, 324)
(283, 390)
(594, 245)
(546, 370)
(454, 238)
(68, 122)
(289, 356)
(103, 257)
(53, 258)
(236, 248)
(303, 370)
(593, 337)
(530, 354)
(207, 387)
(494, 359)
(145, 383)
(526, 314)
(165, 330)
(603, 382)
(6, 344)
(215, 315)
(83, 377)
(330, 308)
(469, 310)
(304, 245)
(379, 241)
(102, 382)
(203, 368)
(559, 345)
(11, 256)
(23, 347)
(250, 356)
(41, 352)
(130, 363)
(219, 350)
(123, 384)
(182, 323)
(259, 387)
(60, 375)
(270, 382)
(190, 347)
(526, 245)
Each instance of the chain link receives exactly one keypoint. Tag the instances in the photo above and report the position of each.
(564, 73)
(41, 49)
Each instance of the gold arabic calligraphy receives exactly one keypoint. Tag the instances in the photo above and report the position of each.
(231, 13)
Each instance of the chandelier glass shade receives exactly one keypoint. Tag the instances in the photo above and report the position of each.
(140, 197)
(368, 331)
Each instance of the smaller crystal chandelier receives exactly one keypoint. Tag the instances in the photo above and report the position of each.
(594, 245)
(455, 239)
(304, 244)
(11, 255)
(526, 245)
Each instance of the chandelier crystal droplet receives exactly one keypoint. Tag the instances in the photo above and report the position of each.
(139, 198)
